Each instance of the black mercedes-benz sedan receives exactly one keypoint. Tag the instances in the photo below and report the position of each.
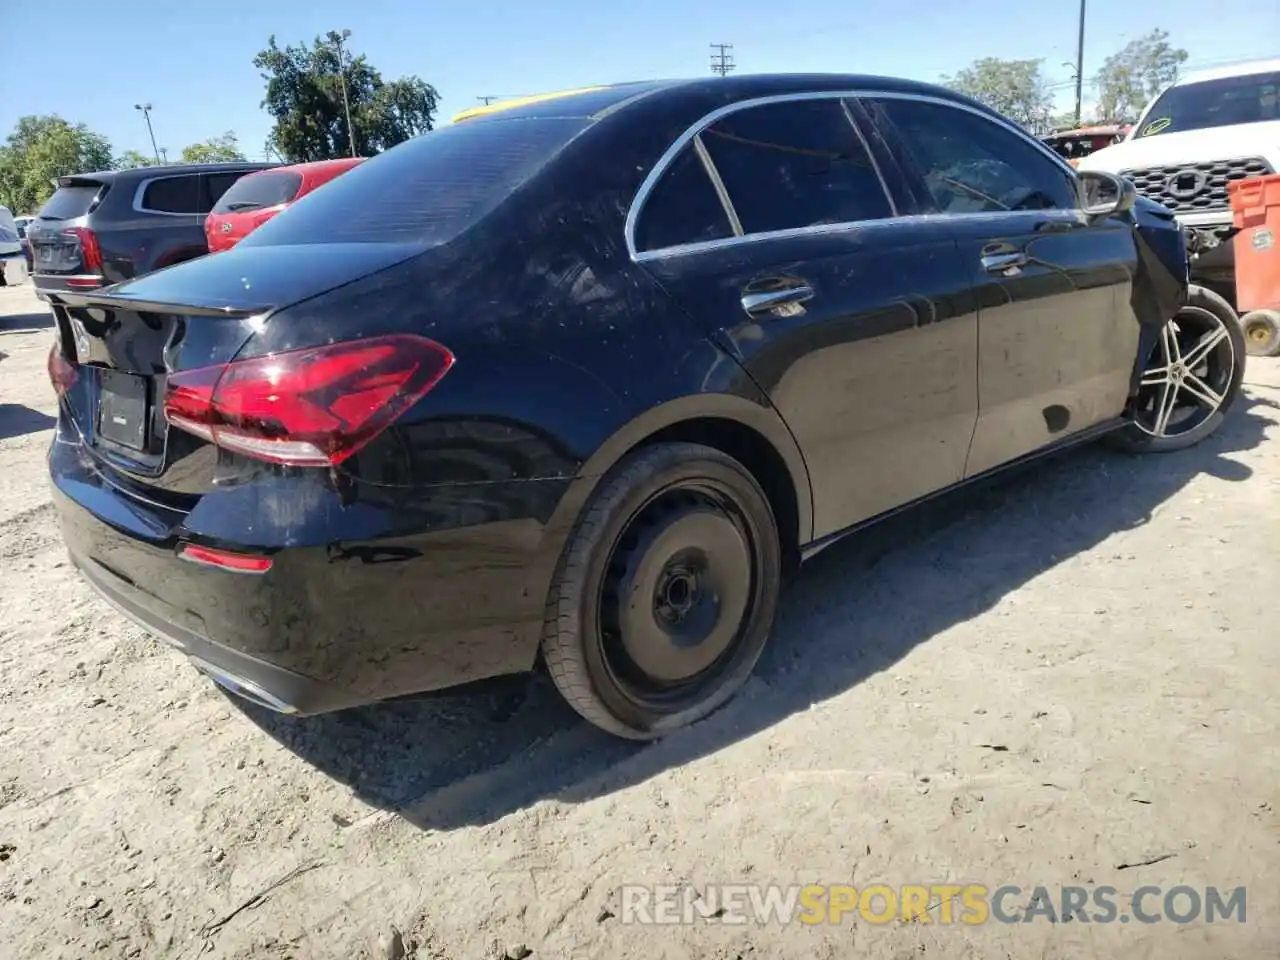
(574, 383)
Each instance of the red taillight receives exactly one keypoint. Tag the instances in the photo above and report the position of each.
(238, 562)
(90, 258)
(307, 408)
(62, 373)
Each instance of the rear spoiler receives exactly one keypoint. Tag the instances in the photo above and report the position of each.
(116, 301)
(80, 180)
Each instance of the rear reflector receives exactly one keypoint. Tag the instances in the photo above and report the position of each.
(62, 373)
(308, 408)
(238, 562)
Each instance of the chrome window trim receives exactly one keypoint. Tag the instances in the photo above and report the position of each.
(696, 128)
(142, 189)
(713, 174)
(875, 164)
(702, 246)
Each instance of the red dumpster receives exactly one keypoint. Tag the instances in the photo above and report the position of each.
(1255, 210)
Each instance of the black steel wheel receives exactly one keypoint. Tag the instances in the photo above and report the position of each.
(666, 593)
(1191, 378)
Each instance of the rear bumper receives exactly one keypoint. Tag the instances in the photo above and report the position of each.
(253, 679)
(345, 616)
(47, 284)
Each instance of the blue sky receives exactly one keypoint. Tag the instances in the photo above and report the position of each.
(194, 63)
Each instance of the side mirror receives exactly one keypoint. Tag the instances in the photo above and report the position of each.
(1104, 194)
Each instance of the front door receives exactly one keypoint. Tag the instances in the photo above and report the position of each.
(774, 230)
(1057, 335)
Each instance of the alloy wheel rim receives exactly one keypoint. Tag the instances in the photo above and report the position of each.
(1187, 375)
(677, 600)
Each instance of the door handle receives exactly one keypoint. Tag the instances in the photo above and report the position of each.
(1004, 262)
(767, 301)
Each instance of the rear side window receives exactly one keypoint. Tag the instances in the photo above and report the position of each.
(173, 195)
(974, 165)
(683, 208)
(424, 191)
(67, 203)
(795, 164)
(259, 190)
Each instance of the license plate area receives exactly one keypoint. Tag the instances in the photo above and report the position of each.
(123, 412)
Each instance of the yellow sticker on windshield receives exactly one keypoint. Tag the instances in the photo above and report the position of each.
(1155, 126)
(521, 102)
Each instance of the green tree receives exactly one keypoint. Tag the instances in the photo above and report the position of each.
(223, 149)
(41, 149)
(132, 158)
(1015, 88)
(305, 97)
(1129, 78)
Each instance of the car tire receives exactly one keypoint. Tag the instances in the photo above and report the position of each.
(1179, 403)
(1262, 332)
(666, 592)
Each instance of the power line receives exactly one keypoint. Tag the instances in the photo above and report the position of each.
(722, 60)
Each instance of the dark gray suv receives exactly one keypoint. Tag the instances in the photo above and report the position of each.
(102, 228)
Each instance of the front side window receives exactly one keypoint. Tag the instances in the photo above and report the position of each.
(973, 165)
(683, 207)
(173, 195)
(1253, 98)
(795, 164)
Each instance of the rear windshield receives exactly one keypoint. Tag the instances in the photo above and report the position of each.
(425, 191)
(68, 203)
(1254, 98)
(259, 190)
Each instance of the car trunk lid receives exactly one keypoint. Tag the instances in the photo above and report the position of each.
(118, 347)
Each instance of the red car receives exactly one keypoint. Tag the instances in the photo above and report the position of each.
(256, 198)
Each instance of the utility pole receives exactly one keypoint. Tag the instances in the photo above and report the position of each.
(164, 152)
(146, 113)
(1080, 63)
(721, 60)
(337, 37)
(487, 100)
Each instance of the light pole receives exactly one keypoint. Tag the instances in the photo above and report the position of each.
(337, 38)
(1080, 63)
(146, 113)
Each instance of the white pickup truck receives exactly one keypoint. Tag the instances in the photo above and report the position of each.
(1204, 130)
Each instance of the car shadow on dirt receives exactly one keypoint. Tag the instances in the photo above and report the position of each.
(17, 420)
(471, 756)
(25, 322)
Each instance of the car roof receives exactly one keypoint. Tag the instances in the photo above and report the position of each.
(595, 102)
(1241, 69)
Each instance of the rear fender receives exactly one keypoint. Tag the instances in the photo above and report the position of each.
(736, 399)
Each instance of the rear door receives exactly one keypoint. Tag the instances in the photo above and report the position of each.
(774, 229)
(1057, 336)
(168, 221)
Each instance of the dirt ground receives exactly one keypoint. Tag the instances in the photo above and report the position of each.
(1041, 682)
